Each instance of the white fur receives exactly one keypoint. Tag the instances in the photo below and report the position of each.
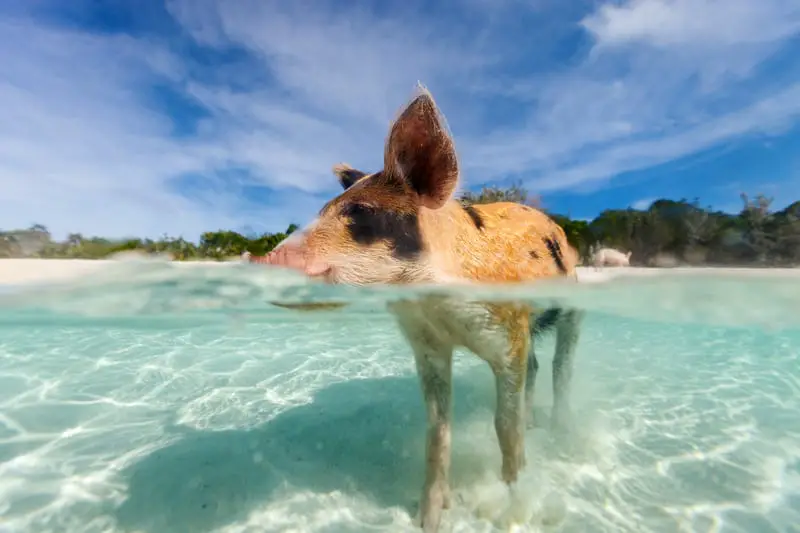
(611, 257)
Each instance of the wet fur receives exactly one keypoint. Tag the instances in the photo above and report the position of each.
(401, 225)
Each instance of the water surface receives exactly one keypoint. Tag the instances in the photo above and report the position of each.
(159, 399)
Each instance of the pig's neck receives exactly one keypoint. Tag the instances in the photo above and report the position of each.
(454, 243)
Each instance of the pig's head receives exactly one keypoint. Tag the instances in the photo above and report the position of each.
(372, 232)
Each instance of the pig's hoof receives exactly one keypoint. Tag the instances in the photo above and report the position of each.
(432, 507)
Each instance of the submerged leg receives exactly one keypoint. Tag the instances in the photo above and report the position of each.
(510, 374)
(567, 335)
(540, 325)
(509, 419)
(435, 372)
(434, 359)
(530, 380)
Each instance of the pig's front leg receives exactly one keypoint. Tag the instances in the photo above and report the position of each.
(501, 336)
(434, 361)
(434, 366)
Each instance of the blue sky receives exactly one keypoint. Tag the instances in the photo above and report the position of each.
(143, 116)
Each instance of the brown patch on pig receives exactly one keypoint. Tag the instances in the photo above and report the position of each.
(514, 318)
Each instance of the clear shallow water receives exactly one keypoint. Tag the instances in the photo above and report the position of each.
(159, 399)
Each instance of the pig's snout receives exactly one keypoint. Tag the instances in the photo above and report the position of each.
(293, 256)
(288, 256)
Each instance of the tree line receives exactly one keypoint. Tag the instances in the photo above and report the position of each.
(36, 241)
(669, 232)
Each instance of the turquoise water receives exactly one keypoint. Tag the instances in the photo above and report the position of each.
(159, 399)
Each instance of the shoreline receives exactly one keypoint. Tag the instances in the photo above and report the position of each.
(23, 271)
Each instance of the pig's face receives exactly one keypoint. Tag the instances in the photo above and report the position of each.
(368, 234)
(372, 232)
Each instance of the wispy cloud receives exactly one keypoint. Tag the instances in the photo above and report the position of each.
(233, 115)
(79, 146)
(651, 88)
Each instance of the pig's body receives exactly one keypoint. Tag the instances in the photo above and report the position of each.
(401, 226)
(610, 257)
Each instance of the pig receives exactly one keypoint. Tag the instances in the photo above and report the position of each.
(610, 257)
(402, 225)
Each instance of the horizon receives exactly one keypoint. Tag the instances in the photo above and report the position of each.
(251, 233)
(181, 117)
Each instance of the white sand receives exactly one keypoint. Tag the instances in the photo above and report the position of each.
(16, 271)
(20, 271)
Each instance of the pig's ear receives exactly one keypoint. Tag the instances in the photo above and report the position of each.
(347, 175)
(421, 153)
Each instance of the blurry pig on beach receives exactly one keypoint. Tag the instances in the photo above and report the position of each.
(611, 257)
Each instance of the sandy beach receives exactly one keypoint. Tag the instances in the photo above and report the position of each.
(24, 271)
(27, 271)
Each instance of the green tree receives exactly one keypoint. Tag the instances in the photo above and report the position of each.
(514, 193)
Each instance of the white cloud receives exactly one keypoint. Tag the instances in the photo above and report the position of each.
(84, 148)
(693, 23)
(643, 203)
(78, 149)
(649, 92)
(770, 115)
(337, 78)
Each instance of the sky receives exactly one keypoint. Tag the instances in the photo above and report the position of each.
(145, 117)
